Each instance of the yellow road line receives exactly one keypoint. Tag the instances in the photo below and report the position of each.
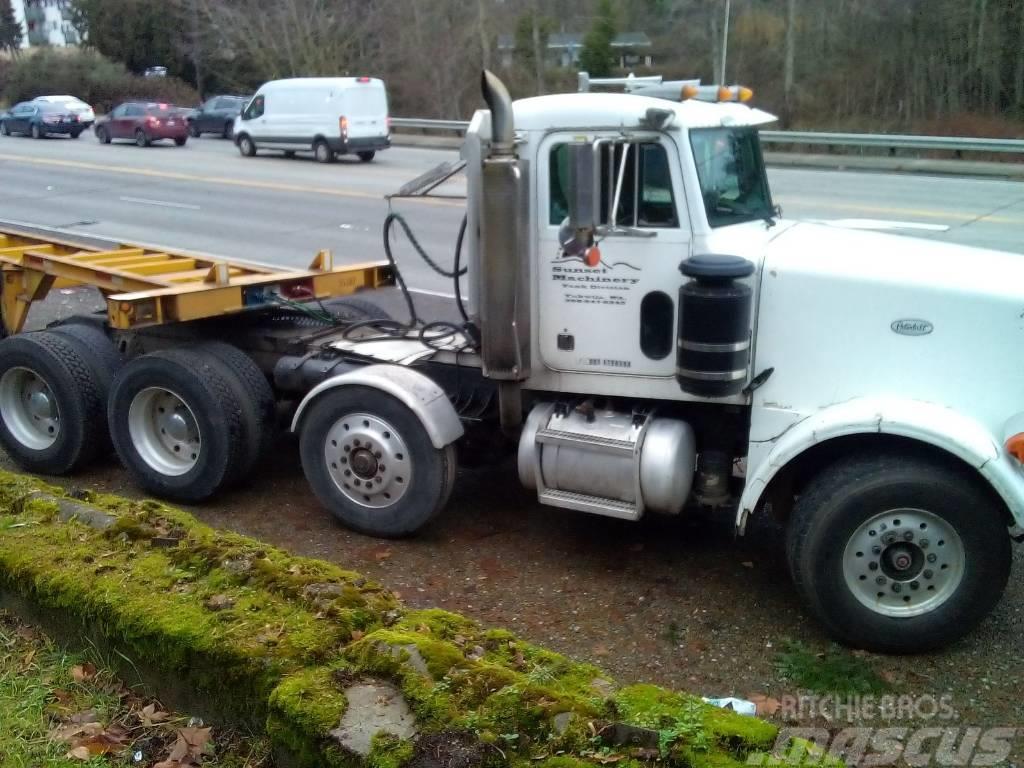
(250, 184)
(893, 212)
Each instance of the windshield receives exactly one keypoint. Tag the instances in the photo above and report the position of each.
(731, 172)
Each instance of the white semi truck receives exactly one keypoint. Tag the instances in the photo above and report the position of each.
(642, 327)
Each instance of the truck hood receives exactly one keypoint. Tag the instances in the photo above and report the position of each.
(882, 258)
(846, 315)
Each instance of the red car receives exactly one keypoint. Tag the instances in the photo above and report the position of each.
(143, 122)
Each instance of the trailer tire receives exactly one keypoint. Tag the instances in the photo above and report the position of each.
(896, 554)
(258, 407)
(177, 425)
(100, 353)
(385, 450)
(51, 403)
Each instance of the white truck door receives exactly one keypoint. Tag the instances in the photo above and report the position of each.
(616, 315)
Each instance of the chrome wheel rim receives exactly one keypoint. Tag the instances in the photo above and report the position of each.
(904, 562)
(29, 408)
(368, 460)
(322, 152)
(164, 431)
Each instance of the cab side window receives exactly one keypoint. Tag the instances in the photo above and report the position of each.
(121, 111)
(255, 108)
(643, 182)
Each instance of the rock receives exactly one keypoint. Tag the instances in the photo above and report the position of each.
(602, 687)
(238, 567)
(373, 708)
(414, 657)
(322, 590)
(561, 722)
(70, 509)
(220, 602)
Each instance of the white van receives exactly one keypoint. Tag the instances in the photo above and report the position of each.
(328, 116)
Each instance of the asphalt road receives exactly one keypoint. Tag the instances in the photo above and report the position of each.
(207, 198)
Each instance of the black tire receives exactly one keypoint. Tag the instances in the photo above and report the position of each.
(246, 146)
(289, 153)
(36, 132)
(75, 134)
(193, 130)
(180, 141)
(212, 399)
(102, 135)
(367, 156)
(322, 152)
(141, 139)
(229, 130)
(355, 310)
(841, 508)
(259, 412)
(430, 471)
(74, 387)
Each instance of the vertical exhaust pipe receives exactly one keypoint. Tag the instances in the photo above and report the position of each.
(504, 279)
(503, 134)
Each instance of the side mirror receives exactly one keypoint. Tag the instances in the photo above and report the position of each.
(582, 192)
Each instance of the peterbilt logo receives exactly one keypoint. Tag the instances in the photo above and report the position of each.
(912, 327)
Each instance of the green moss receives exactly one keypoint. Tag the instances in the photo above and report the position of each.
(387, 751)
(837, 671)
(234, 619)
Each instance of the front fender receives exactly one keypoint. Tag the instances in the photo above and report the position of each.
(928, 423)
(417, 392)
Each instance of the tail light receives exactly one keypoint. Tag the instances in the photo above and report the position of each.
(152, 120)
(343, 125)
(387, 122)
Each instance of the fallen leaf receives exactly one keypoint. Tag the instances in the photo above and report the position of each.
(88, 716)
(26, 633)
(188, 749)
(382, 554)
(766, 705)
(79, 753)
(150, 715)
(358, 634)
(82, 673)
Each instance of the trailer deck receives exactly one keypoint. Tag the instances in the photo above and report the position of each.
(146, 286)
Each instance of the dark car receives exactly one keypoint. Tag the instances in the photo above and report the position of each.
(217, 115)
(40, 120)
(143, 122)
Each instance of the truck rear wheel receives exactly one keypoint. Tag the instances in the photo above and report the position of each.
(51, 402)
(176, 419)
(259, 413)
(367, 156)
(897, 554)
(371, 463)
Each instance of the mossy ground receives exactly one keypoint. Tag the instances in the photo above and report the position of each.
(234, 617)
(837, 671)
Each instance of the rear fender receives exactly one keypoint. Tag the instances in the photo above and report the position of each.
(417, 392)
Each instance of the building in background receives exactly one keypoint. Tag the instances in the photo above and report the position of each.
(45, 22)
(633, 49)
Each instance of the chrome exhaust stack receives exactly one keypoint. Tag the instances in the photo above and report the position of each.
(504, 275)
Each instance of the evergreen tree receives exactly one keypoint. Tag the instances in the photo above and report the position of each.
(10, 28)
(597, 56)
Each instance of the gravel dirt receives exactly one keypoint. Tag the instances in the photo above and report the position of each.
(674, 601)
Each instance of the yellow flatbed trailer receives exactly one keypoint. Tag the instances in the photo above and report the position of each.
(147, 286)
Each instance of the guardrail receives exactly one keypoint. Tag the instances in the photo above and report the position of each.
(885, 141)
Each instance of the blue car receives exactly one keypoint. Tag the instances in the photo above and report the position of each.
(39, 120)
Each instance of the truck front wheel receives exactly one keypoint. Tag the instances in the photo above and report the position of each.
(371, 463)
(896, 554)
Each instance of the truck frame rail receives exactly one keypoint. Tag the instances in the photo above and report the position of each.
(148, 286)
